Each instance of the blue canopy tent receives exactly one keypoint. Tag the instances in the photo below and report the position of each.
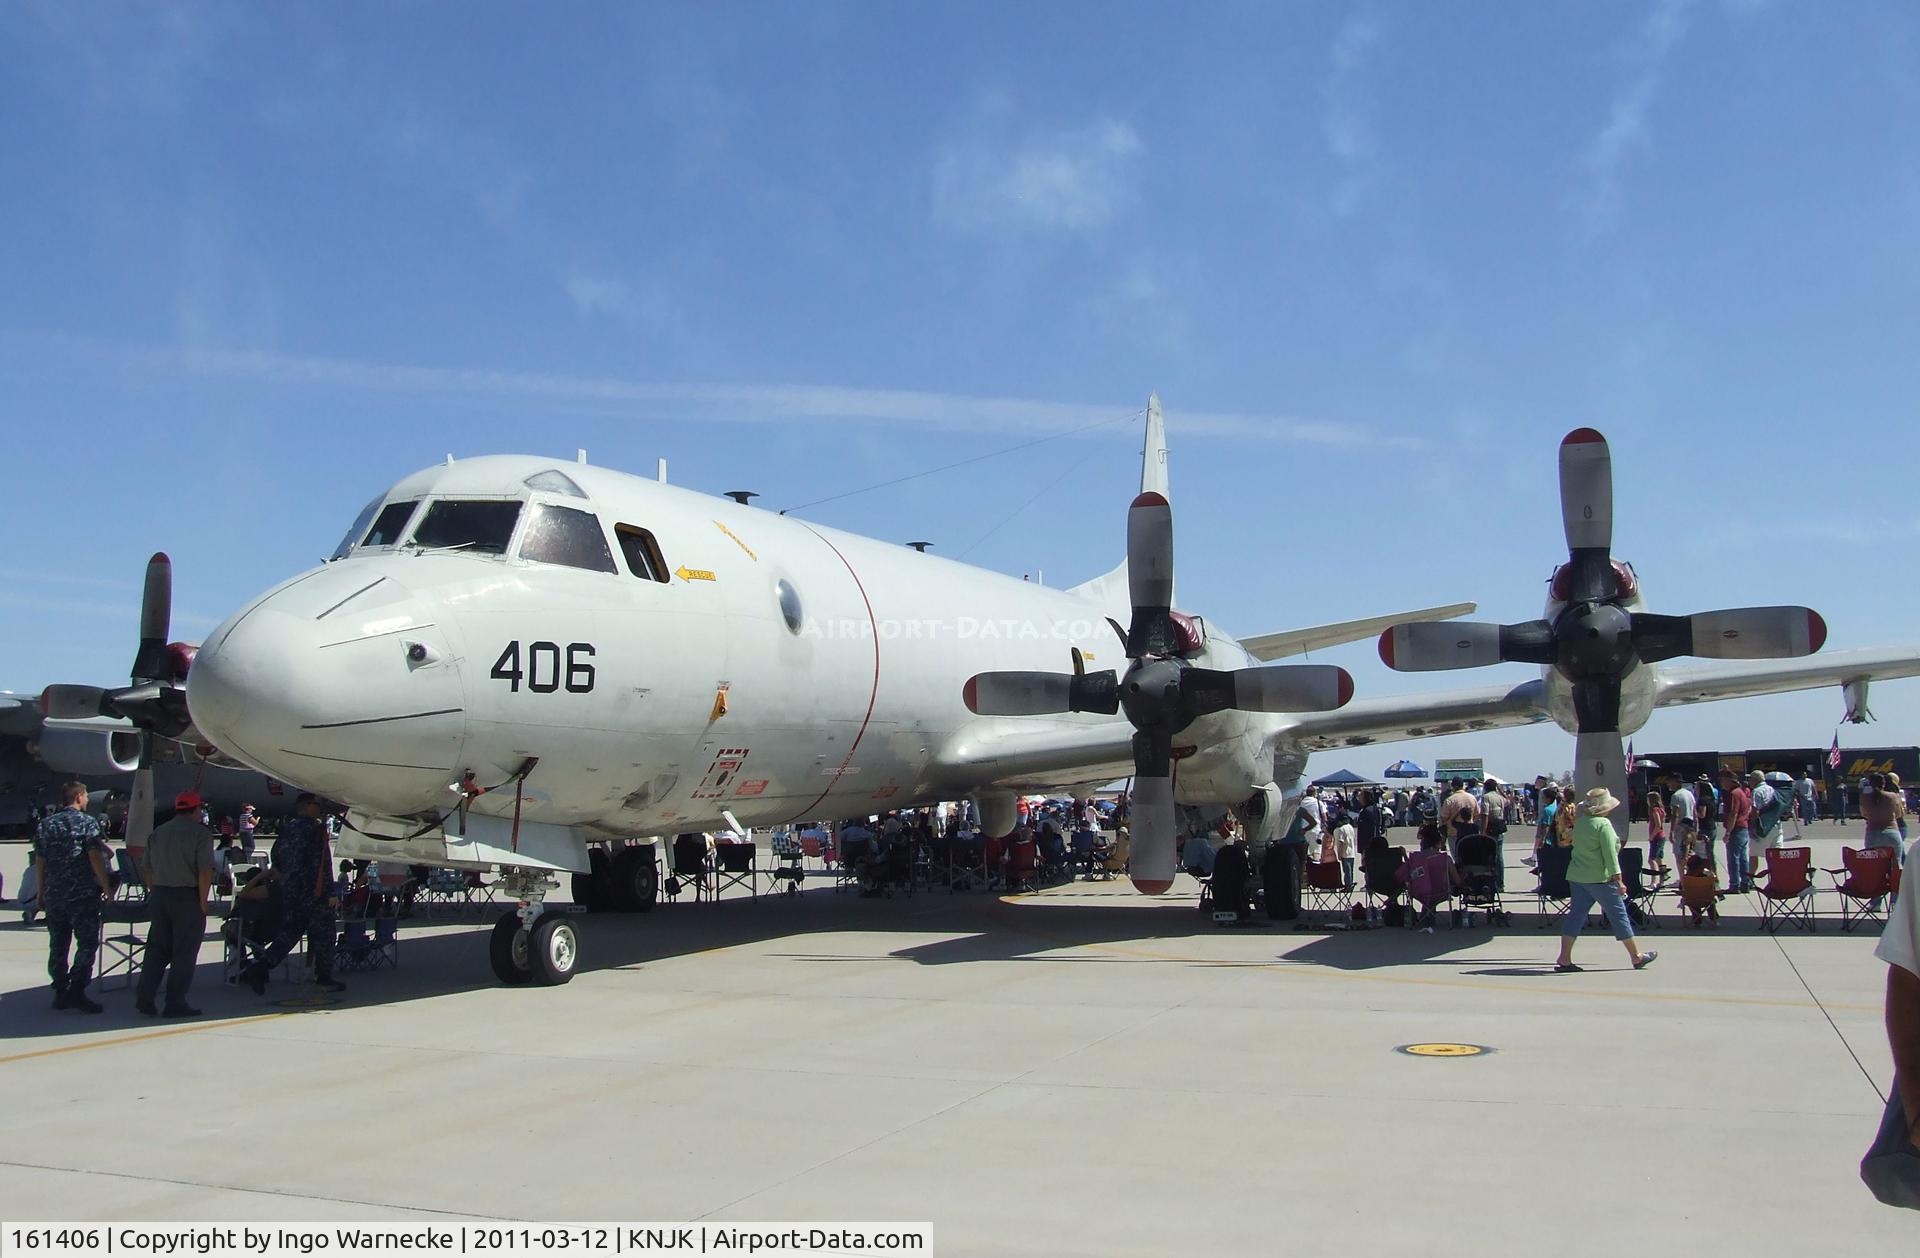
(1345, 777)
(1405, 769)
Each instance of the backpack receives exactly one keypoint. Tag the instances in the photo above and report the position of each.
(1420, 879)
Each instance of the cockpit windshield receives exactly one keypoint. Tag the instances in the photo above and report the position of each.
(566, 535)
(354, 530)
(476, 526)
(391, 524)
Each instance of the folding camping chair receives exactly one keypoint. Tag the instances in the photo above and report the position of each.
(1382, 882)
(736, 864)
(966, 862)
(1554, 894)
(1325, 890)
(1869, 878)
(1787, 897)
(689, 865)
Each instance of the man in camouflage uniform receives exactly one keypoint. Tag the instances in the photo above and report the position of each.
(303, 861)
(70, 864)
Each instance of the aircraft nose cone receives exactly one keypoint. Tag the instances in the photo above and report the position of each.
(341, 684)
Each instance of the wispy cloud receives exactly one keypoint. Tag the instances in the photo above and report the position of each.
(677, 402)
(1347, 122)
(1627, 130)
(128, 612)
(1072, 179)
(649, 308)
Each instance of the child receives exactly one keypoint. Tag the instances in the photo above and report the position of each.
(1699, 891)
(1657, 836)
(1431, 876)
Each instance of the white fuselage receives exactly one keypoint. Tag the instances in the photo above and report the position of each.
(783, 672)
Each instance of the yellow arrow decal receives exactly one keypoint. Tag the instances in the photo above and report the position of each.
(693, 574)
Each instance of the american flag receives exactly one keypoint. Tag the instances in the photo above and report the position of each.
(1833, 757)
(1630, 760)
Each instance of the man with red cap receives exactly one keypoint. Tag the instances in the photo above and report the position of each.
(178, 867)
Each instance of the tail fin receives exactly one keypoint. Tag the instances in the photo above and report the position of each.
(1110, 589)
(1153, 455)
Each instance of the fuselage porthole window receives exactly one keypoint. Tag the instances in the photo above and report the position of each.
(566, 536)
(790, 610)
(473, 526)
(391, 524)
(642, 553)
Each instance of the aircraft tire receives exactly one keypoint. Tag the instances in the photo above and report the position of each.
(554, 950)
(635, 881)
(508, 950)
(591, 889)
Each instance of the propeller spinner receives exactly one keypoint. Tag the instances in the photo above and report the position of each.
(1594, 641)
(1161, 692)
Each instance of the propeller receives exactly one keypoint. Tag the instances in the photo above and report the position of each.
(1595, 641)
(155, 703)
(1161, 692)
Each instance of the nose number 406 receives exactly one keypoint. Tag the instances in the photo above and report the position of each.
(543, 673)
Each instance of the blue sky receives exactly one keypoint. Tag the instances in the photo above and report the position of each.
(1377, 259)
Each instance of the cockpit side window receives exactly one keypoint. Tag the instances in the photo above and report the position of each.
(642, 553)
(568, 536)
(476, 526)
(391, 524)
(354, 530)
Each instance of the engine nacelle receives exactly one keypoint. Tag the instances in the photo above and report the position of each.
(88, 752)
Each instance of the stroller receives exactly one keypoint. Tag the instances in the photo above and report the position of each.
(1480, 873)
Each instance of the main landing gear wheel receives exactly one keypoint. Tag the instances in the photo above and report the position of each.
(592, 890)
(507, 949)
(635, 883)
(553, 951)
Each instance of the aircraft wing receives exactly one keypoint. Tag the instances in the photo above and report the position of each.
(1274, 646)
(1388, 720)
(1701, 683)
(1032, 756)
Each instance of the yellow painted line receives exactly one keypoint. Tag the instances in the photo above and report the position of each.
(736, 540)
(142, 1037)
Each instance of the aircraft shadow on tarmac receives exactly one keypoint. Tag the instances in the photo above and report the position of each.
(967, 928)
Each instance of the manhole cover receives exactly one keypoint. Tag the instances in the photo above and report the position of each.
(1443, 1050)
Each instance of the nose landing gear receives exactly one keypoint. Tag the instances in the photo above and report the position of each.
(529, 944)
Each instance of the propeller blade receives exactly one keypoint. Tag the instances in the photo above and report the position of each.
(140, 806)
(1150, 576)
(1039, 694)
(1586, 491)
(74, 703)
(1430, 645)
(1596, 705)
(1600, 760)
(156, 613)
(1741, 633)
(1282, 688)
(1152, 860)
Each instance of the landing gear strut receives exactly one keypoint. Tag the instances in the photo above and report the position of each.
(529, 944)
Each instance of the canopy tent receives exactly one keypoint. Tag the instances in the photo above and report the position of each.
(1405, 769)
(1345, 777)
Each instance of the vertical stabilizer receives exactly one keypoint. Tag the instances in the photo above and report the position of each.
(1153, 455)
(1110, 589)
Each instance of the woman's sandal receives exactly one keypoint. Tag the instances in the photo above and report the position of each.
(1568, 968)
(1646, 959)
